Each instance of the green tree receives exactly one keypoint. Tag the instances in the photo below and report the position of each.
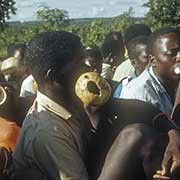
(163, 13)
(54, 18)
(121, 22)
(6, 8)
(95, 33)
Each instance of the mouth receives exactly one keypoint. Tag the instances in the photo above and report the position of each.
(177, 69)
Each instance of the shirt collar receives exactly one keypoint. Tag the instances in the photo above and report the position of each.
(160, 87)
(52, 106)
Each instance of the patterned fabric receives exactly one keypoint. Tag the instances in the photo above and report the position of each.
(125, 69)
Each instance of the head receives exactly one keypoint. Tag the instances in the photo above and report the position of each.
(8, 102)
(136, 30)
(54, 60)
(164, 53)
(14, 66)
(94, 59)
(112, 48)
(16, 50)
(137, 51)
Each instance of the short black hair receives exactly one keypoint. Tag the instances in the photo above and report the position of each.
(132, 49)
(136, 30)
(12, 48)
(51, 50)
(114, 35)
(94, 53)
(112, 43)
(157, 34)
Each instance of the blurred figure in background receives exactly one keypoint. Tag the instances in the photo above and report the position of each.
(112, 50)
(126, 69)
(14, 68)
(94, 59)
(137, 50)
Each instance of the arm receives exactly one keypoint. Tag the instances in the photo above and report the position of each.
(171, 160)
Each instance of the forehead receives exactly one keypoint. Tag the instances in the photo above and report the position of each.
(167, 41)
(141, 47)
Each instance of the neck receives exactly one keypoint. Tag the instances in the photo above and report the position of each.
(168, 84)
(60, 96)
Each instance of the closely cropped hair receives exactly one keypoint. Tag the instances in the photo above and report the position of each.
(12, 48)
(114, 35)
(133, 51)
(112, 43)
(136, 30)
(94, 53)
(157, 34)
(51, 50)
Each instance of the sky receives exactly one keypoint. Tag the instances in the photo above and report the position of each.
(26, 9)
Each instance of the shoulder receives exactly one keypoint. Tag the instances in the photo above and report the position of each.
(123, 70)
(138, 87)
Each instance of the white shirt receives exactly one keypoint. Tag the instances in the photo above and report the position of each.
(125, 69)
(28, 87)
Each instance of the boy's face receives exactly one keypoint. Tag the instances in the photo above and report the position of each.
(167, 56)
(142, 58)
(94, 64)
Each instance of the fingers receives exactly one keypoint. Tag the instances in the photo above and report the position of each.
(160, 177)
(175, 165)
(166, 163)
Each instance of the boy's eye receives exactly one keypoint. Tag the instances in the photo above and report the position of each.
(173, 52)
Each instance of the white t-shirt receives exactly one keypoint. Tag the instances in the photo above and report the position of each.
(28, 87)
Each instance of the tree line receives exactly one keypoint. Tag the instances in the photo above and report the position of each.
(160, 13)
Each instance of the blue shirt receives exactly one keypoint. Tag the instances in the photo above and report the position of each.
(124, 82)
(149, 89)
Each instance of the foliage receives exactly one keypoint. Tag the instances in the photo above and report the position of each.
(163, 13)
(121, 22)
(54, 18)
(91, 31)
(6, 8)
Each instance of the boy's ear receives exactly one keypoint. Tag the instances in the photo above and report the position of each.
(50, 75)
(152, 60)
(134, 63)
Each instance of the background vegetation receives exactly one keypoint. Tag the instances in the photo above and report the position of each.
(92, 31)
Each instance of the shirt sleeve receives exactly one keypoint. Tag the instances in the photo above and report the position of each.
(27, 88)
(58, 158)
(117, 92)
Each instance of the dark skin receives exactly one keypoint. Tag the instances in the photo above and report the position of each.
(139, 156)
(121, 161)
(165, 58)
(164, 65)
(94, 64)
(141, 61)
(59, 83)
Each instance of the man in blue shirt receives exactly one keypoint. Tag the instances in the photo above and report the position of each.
(157, 85)
(137, 51)
(138, 145)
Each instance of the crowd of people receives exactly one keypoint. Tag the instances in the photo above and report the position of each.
(49, 133)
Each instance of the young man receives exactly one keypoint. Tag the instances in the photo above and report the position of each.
(139, 149)
(125, 68)
(55, 133)
(157, 85)
(137, 50)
